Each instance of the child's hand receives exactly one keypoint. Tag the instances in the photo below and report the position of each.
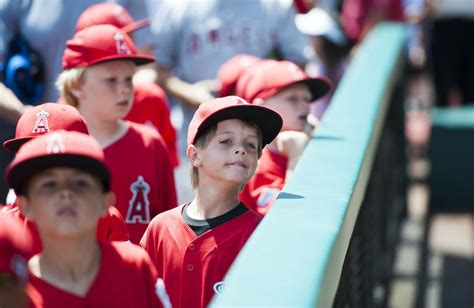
(312, 125)
(291, 144)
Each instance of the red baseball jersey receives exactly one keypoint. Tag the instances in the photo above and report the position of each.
(126, 278)
(142, 177)
(109, 228)
(193, 267)
(264, 187)
(151, 108)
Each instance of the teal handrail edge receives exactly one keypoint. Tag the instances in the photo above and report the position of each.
(294, 257)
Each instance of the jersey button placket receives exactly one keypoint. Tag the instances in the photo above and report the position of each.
(190, 267)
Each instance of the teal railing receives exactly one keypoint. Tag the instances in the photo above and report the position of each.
(295, 256)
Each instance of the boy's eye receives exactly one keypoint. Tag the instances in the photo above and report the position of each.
(225, 141)
(80, 184)
(48, 185)
(251, 145)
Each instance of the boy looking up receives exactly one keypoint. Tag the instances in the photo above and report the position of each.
(194, 244)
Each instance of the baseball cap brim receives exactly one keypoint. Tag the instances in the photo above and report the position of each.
(318, 86)
(13, 145)
(19, 175)
(136, 25)
(138, 60)
(268, 121)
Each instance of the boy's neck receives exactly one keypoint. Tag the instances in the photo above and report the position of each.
(68, 264)
(106, 133)
(211, 203)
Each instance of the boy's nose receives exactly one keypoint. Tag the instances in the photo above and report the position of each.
(240, 150)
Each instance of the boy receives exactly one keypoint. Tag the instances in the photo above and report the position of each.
(284, 87)
(150, 105)
(37, 121)
(194, 245)
(99, 64)
(63, 185)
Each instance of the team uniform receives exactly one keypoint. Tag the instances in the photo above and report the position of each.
(142, 176)
(150, 107)
(264, 187)
(126, 278)
(193, 256)
(109, 228)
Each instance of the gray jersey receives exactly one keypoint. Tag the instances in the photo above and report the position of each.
(195, 38)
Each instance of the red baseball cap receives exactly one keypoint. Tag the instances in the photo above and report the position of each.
(57, 149)
(269, 77)
(45, 118)
(15, 247)
(234, 107)
(231, 70)
(107, 13)
(101, 43)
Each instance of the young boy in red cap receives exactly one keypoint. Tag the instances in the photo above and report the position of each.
(150, 105)
(99, 64)
(194, 245)
(63, 184)
(37, 121)
(284, 87)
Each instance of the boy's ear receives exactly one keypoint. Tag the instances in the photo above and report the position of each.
(193, 155)
(76, 91)
(25, 206)
(110, 199)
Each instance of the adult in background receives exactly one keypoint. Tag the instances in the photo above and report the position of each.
(194, 38)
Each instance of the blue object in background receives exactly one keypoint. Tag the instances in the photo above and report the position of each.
(22, 72)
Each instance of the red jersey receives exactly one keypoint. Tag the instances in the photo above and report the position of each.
(126, 278)
(150, 107)
(142, 177)
(109, 228)
(264, 187)
(193, 267)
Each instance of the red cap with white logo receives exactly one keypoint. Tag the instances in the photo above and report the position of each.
(234, 107)
(57, 149)
(101, 43)
(45, 118)
(108, 13)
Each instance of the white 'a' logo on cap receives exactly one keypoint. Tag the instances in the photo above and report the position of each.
(41, 124)
(55, 144)
(121, 45)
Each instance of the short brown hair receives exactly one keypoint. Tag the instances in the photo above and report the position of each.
(68, 80)
(203, 139)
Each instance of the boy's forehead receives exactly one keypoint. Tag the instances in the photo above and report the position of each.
(230, 125)
(113, 64)
(61, 171)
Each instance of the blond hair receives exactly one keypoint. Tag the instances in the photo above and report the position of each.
(202, 141)
(67, 81)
